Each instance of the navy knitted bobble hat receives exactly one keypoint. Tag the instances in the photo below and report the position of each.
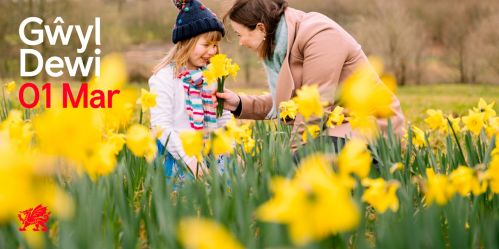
(194, 19)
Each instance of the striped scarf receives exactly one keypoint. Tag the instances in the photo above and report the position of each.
(198, 103)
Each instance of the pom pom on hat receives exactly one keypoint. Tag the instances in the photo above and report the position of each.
(193, 20)
(180, 3)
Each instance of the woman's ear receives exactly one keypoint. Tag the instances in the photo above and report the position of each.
(261, 27)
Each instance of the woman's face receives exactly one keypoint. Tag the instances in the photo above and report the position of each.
(252, 39)
(203, 51)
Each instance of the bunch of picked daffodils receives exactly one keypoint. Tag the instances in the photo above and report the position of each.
(218, 70)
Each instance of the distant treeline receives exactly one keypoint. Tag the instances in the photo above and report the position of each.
(424, 41)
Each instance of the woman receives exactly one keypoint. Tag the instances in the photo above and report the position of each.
(297, 49)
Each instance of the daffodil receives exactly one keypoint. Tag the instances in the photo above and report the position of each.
(141, 142)
(19, 131)
(288, 110)
(69, 133)
(10, 87)
(390, 82)
(147, 99)
(209, 76)
(116, 141)
(495, 151)
(26, 179)
(192, 143)
(418, 136)
(249, 144)
(492, 127)
(241, 134)
(455, 124)
(438, 188)
(396, 167)
(336, 117)
(487, 109)
(436, 120)
(102, 161)
(113, 73)
(465, 181)
(233, 69)
(492, 174)
(363, 94)
(474, 122)
(238, 132)
(311, 131)
(221, 143)
(355, 158)
(309, 102)
(121, 114)
(200, 233)
(314, 204)
(218, 70)
(381, 194)
(365, 125)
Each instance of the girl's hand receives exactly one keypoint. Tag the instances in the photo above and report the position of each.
(231, 99)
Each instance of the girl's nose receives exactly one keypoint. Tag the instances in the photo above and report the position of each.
(212, 50)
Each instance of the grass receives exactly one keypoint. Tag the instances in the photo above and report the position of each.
(450, 98)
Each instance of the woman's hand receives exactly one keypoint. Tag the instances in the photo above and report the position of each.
(231, 99)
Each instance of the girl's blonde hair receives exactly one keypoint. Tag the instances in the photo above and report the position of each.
(180, 52)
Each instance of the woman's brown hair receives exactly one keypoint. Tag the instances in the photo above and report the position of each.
(251, 12)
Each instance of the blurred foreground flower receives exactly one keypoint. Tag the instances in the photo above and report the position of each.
(364, 94)
(141, 142)
(492, 174)
(465, 181)
(309, 102)
(437, 188)
(26, 180)
(355, 158)
(18, 131)
(381, 194)
(113, 73)
(70, 133)
(314, 204)
(200, 233)
(192, 142)
(221, 143)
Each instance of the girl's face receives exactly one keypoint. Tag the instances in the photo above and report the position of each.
(252, 39)
(202, 52)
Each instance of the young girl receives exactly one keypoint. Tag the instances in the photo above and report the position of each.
(184, 100)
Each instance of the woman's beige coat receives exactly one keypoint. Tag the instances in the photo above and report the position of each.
(319, 52)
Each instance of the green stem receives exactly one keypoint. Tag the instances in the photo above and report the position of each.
(141, 114)
(220, 89)
(197, 169)
(4, 107)
(457, 141)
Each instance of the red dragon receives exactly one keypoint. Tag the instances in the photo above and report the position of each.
(37, 217)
